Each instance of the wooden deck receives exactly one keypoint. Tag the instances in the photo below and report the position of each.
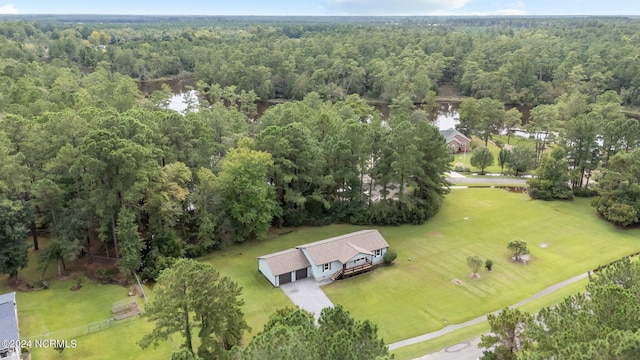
(353, 271)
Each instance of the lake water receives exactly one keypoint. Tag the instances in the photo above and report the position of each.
(445, 117)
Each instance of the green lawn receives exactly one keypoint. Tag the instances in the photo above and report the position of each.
(417, 296)
(465, 159)
(442, 342)
(413, 297)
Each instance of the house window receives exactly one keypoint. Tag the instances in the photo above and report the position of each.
(326, 267)
(379, 252)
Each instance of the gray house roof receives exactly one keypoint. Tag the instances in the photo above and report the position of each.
(286, 261)
(345, 247)
(340, 248)
(450, 135)
(8, 317)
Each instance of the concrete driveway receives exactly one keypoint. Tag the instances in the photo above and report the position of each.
(306, 294)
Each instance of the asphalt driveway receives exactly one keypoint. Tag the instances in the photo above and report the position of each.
(307, 295)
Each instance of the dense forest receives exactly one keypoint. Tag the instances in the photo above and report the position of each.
(88, 157)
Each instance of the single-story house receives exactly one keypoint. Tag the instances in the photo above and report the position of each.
(9, 327)
(456, 141)
(332, 258)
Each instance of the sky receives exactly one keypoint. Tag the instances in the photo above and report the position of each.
(324, 7)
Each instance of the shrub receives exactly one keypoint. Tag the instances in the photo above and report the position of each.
(499, 143)
(389, 256)
(488, 265)
(461, 168)
(584, 192)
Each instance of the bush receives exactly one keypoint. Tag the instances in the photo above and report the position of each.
(584, 192)
(488, 265)
(389, 256)
(499, 143)
(461, 168)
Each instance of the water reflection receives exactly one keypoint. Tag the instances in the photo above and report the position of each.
(183, 102)
(446, 116)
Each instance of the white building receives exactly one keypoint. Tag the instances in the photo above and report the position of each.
(333, 258)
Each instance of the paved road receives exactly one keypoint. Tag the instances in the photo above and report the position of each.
(466, 350)
(462, 352)
(307, 295)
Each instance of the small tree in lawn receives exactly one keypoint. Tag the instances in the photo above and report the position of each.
(481, 158)
(488, 265)
(474, 263)
(521, 159)
(519, 248)
(503, 159)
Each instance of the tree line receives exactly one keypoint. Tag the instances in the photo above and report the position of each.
(516, 61)
(155, 185)
(579, 146)
(600, 323)
(87, 156)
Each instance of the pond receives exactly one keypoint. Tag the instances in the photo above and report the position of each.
(445, 115)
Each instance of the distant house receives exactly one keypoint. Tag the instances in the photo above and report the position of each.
(9, 327)
(456, 141)
(332, 258)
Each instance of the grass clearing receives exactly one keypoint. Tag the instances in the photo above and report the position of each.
(60, 314)
(412, 297)
(430, 256)
(442, 342)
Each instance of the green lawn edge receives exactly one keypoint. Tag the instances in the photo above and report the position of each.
(470, 332)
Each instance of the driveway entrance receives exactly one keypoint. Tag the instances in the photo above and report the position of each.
(306, 294)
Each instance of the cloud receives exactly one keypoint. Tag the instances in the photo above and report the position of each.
(9, 9)
(509, 8)
(392, 7)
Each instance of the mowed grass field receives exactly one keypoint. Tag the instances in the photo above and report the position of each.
(60, 314)
(412, 297)
(417, 295)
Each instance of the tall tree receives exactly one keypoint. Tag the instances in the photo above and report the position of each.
(509, 334)
(542, 120)
(292, 334)
(582, 147)
(13, 230)
(619, 188)
(296, 170)
(552, 181)
(118, 164)
(192, 298)
(247, 198)
(205, 206)
(512, 120)
(490, 118)
(503, 158)
(521, 159)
